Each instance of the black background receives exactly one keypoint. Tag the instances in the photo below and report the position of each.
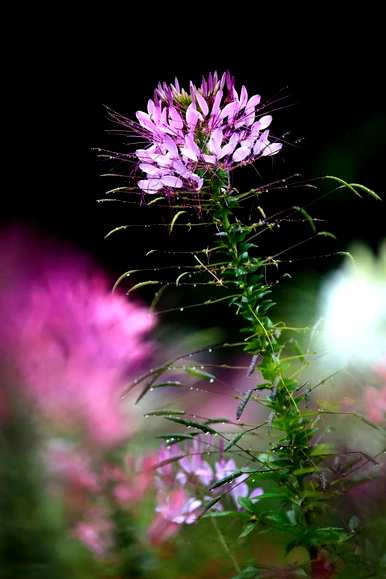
(331, 71)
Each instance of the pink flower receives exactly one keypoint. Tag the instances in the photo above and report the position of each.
(193, 465)
(192, 132)
(375, 400)
(94, 533)
(74, 343)
(69, 465)
(173, 510)
(239, 488)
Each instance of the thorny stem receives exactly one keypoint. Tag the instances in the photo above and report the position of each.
(292, 454)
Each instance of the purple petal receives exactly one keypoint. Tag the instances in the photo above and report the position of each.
(176, 119)
(172, 181)
(243, 97)
(214, 144)
(253, 102)
(230, 110)
(264, 122)
(171, 146)
(161, 160)
(150, 107)
(241, 153)
(145, 122)
(150, 185)
(229, 147)
(216, 104)
(190, 149)
(181, 478)
(180, 168)
(149, 169)
(271, 149)
(256, 493)
(240, 490)
(210, 159)
(197, 180)
(203, 104)
(192, 116)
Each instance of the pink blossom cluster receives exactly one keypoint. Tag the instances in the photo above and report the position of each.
(190, 133)
(184, 503)
(87, 486)
(73, 343)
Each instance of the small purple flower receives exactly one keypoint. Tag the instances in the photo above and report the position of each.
(191, 133)
(194, 466)
(224, 468)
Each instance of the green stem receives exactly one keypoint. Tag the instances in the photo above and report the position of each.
(225, 545)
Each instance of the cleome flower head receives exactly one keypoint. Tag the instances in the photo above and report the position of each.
(195, 132)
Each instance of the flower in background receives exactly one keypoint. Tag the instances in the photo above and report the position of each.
(238, 488)
(95, 532)
(375, 397)
(189, 133)
(72, 341)
(184, 502)
(375, 400)
(353, 306)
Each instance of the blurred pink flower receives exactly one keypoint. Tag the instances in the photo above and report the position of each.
(174, 509)
(375, 400)
(73, 342)
(69, 465)
(194, 465)
(239, 487)
(95, 532)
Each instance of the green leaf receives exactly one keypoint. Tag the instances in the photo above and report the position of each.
(165, 412)
(122, 277)
(173, 221)
(305, 470)
(193, 371)
(323, 449)
(192, 424)
(235, 440)
(153, 201)
(226, 479)
(307, 216)
(218, 514)
(241, 407)
(142, 284)
(247, 530)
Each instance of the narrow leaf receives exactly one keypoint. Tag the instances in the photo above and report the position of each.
(173, 221)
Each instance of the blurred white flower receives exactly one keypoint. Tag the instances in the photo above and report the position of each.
(353, 309)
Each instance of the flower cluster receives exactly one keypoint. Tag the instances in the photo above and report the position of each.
(186, 502)
(88, 489)
(191, 133)
(73, 343)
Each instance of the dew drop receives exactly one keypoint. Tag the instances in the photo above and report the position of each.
(211, 380)
(181, 309)
(210, 350)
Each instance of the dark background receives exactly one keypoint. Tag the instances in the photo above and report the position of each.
(331, 72)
